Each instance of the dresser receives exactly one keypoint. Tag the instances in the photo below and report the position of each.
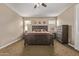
(62, 33)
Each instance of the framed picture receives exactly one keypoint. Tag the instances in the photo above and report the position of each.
(39, 22)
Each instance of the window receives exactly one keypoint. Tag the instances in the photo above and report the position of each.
(27, 23)
(52, 22)
(52, 25)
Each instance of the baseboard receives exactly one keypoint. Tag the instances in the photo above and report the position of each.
(17, 39)
(71, 45)
(76, 49)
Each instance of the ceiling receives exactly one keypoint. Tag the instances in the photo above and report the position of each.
(28, 10)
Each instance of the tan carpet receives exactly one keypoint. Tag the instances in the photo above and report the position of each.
(18, 49)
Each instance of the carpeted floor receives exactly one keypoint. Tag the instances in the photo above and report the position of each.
(18, 49)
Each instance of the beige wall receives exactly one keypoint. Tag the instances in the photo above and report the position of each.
(10, 25)
(68, 18)
(41, 19)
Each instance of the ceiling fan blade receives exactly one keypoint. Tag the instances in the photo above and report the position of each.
(35, 6)
(43, 4)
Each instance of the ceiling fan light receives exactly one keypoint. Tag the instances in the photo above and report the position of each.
(38, 4)
(44, 5)
(35, 6)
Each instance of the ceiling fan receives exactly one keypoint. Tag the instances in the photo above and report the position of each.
(40, 4)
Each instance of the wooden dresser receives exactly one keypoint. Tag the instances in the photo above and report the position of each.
(62, 33)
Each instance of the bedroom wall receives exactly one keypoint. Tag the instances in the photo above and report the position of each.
(41, 19)
(11, 26)
(68, 18)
